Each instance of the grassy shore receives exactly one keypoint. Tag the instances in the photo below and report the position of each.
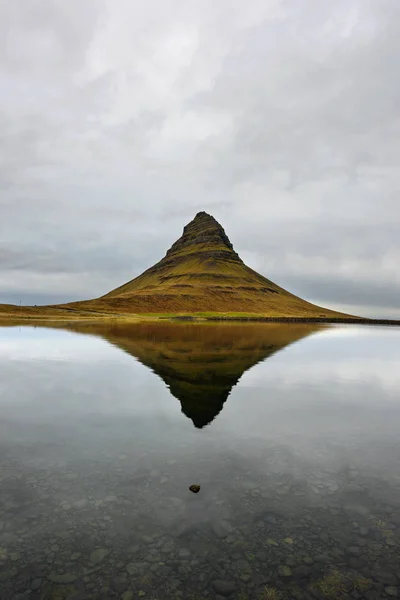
(40, 314)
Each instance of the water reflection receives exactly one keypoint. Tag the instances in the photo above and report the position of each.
(299, 473)
(200, 363)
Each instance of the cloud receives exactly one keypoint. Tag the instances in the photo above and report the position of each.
(120, 120)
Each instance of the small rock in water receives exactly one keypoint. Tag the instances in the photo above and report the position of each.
(194, 488)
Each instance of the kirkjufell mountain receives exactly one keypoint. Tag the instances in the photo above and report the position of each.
(202, 276)
(202, 273)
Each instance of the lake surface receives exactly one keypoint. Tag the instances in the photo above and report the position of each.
(292, 432)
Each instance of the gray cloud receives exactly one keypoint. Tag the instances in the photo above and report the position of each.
(120, 120)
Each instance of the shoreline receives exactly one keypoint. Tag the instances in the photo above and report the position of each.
(139, 318)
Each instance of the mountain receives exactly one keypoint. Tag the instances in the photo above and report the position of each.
(202, 273)
(199, 363)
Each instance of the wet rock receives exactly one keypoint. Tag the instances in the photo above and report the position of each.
(284, 571)
(119, 583)
(249, 485)
(110, 499)
(195, 488)
(222, 528)
(384, 577)
(5, 575)
(14, 556)
(392, 591)
(224, 588)
(302, 571)
(372, 595)
(62, 577)
(82, 503)
(322, 558)
(75, 556)
(98, 555)
(271, 542)
(35, 585)
(128, 595)
(135, 568)
(352, 488)
(354, 550)
(357, 509)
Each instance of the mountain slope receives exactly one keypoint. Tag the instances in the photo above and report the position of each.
(200, 273)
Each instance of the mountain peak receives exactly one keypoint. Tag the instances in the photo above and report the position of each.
(204, 234)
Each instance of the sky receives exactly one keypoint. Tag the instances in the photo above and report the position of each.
(120, 120)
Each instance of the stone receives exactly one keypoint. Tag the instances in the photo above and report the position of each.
(353, 488)
(222, 528)
(119, 583)
(98, 555)
(82, 503)
(358, 509)
(35, 585)
(14, 556)
(384, 577)
(62, 577)
(128, 595)
(391, 591)
(284, 571)
(195, 488)
(224, 588)
(133, 568)
(4, 575)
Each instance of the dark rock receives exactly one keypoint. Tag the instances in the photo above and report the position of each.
(224, 588)
(354, 550)
(384, 577)
(195, 488)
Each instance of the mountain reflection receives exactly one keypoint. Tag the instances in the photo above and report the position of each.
(199, 363)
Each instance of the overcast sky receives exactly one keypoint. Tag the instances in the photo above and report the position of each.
(120, 119)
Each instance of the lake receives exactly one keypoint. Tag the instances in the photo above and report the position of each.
(291, 431)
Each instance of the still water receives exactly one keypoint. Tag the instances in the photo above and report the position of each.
(292, 432)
